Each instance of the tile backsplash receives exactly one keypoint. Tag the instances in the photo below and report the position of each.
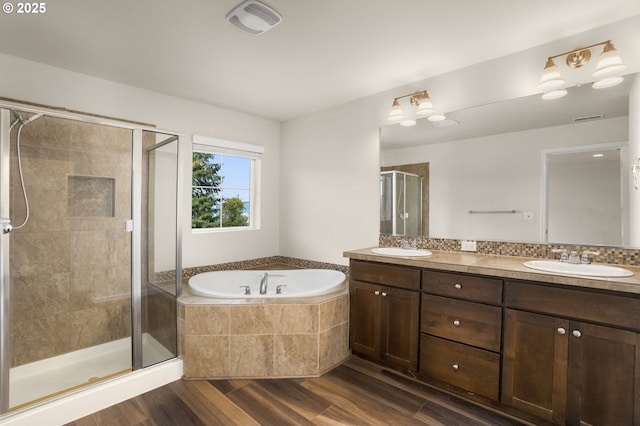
(612, 255)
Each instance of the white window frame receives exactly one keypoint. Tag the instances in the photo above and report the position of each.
(216, 146)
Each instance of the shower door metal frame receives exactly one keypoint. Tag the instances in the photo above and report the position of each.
(5, 330)
(394, 194)
(136, 243)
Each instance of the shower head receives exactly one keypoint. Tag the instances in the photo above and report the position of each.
(32, 118)
(18, 116)
(21, 119)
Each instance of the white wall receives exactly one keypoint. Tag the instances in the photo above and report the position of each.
(328, 182)
(500, 172)
(33, 82)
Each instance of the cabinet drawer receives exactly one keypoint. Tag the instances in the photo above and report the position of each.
(480, 289)
(380, 273)
(621, 311)
(467, 322)
(474, 370)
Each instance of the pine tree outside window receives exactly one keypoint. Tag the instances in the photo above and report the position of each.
(224, 185)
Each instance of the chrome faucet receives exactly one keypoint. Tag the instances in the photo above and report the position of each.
(585, 256)
(263, 283)
(564, 255)
(409, 244)
(573, 257)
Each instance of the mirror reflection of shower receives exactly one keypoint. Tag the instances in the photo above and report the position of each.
(21, 123)
(400, 203)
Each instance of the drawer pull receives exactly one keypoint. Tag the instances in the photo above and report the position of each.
(384, 293)
(458, 286)
(561, 331)
(377, 293)
(455, 367)
(456, 323)
(576, 333)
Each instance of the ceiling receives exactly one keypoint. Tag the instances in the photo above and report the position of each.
(324, 53)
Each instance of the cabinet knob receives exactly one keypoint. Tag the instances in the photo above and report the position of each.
(384, 293)
(455, 367)
(458, 286)
(576, 333)
(377, 293)
(561, 330)
(456, 323)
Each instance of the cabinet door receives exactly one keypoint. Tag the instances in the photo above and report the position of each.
(400, 335)
(535, 364)
(365, 319)
(604, 376)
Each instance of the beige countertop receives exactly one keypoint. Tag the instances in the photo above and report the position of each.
(500, 266)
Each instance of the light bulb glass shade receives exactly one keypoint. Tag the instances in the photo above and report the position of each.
(551, 77)
(609, 61)
(425, 107)
(396, 113)
(554, 94)
(436, 117)
(607, 82)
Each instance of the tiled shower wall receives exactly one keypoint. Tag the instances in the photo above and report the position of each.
(70, 265)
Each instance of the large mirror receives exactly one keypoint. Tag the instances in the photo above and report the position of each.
(488, 167)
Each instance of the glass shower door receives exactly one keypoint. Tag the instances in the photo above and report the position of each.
(69, 253)
(161, 280)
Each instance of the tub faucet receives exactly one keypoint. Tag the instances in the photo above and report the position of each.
(263, 283)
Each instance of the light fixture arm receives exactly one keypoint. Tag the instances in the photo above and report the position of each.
(415, 97)
(577, 52)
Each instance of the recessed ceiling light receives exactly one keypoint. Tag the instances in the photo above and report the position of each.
(597, 155)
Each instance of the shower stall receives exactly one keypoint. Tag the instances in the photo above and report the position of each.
(400, 203)
(90, 253)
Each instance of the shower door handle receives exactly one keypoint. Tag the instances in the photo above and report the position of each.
(6, 225)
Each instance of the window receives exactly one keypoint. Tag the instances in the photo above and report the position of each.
(224, 184)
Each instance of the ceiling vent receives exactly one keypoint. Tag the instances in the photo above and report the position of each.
(253, 17)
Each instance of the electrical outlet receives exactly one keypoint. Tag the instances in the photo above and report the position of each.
(529, 216)
(468, 246)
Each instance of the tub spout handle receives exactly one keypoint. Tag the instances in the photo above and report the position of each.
(247, 289)
(279, 288)
(263, 283)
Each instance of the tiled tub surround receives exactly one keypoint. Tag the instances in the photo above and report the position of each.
(263, 338)
(611, 255)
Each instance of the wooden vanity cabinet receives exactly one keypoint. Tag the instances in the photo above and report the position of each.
(384, 313)
(461, 330)
(571, 356)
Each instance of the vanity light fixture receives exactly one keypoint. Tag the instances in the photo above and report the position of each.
(609, 63)
(419, 106)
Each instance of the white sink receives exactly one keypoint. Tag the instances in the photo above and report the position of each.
(590, 270)
(397, 251)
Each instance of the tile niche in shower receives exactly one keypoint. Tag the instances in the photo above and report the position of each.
(91, 196)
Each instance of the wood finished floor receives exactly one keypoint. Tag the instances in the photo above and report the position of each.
(355, 393)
